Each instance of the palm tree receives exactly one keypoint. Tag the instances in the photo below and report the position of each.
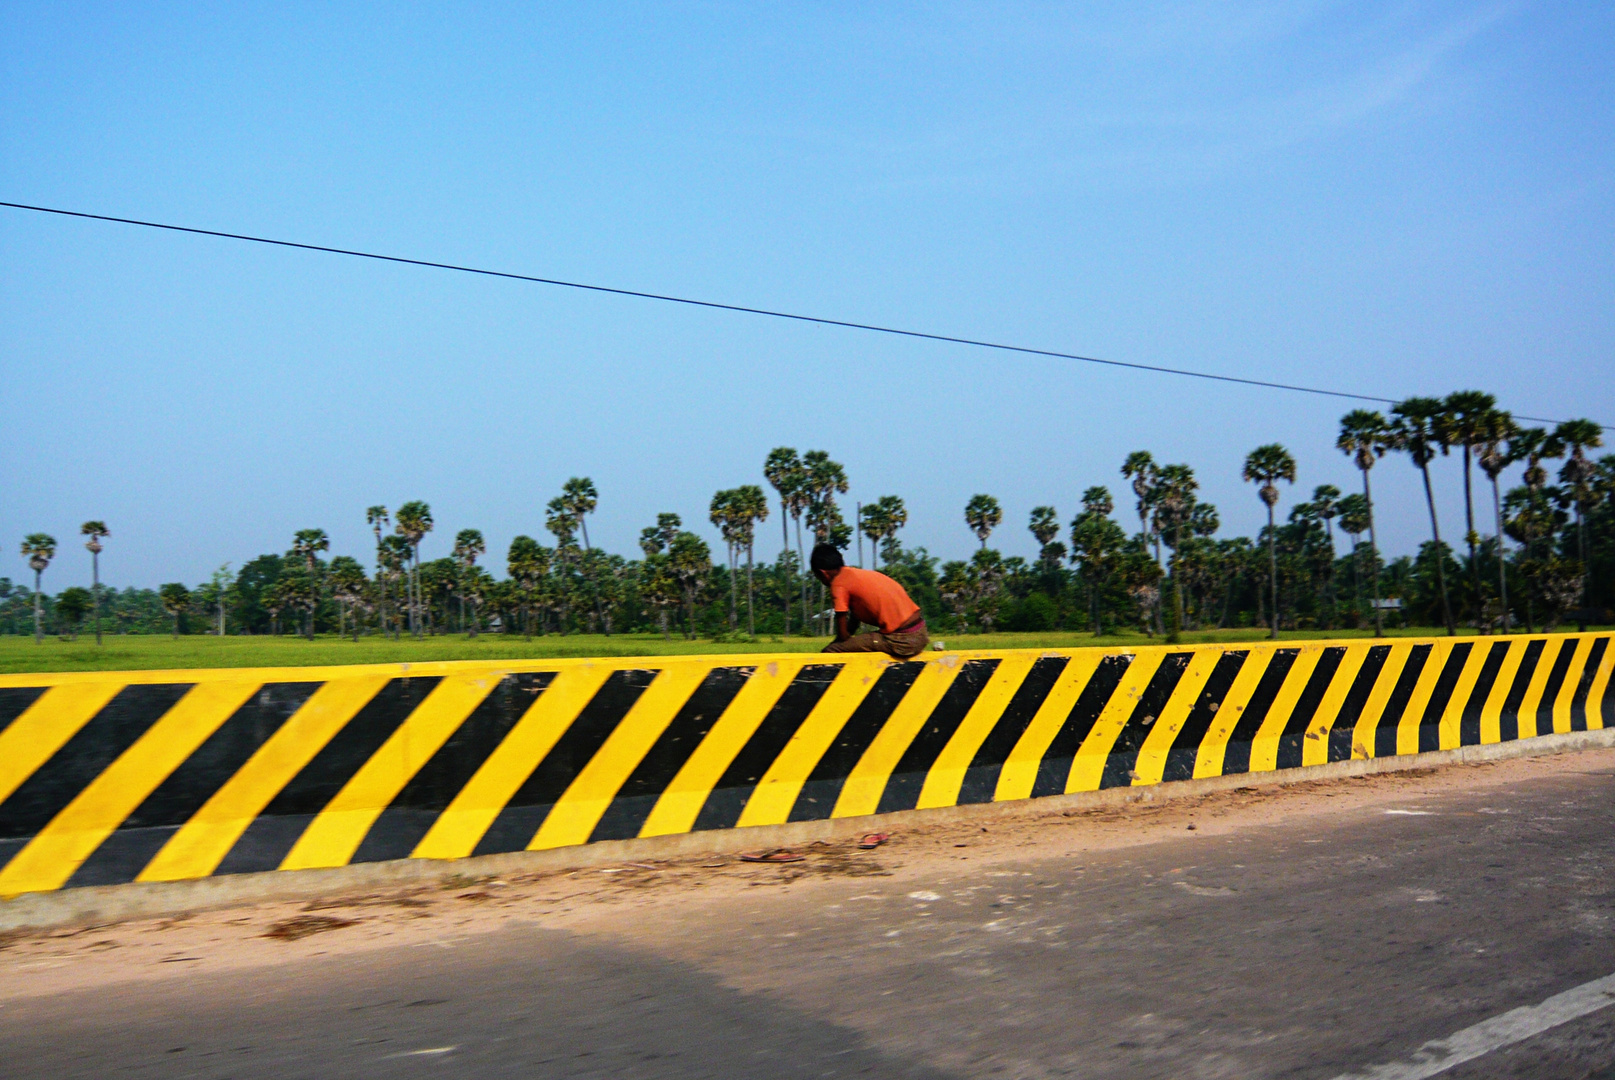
(176, 598)
(872, 524)
(95, 530)
(1496, 452)
(526, 563)
(1044, 525)
(307, 545)
(39, 549)
(347, 588)
(1265, 465)
(392, 565)
(982, 515)
(1364, 437)
(1353, 512)
(1141, 469)
(1418, 429)
(414, 521)
(721, 513)
(749, 506)
(376, 517)
(893, 516)
(1096, 540)
(783, 471)
(1326, 504)
(824, 480)
(1174, 501)
(580, 498)
(1577, 437)
(1465, 416)
(468, 545)
(689, 560)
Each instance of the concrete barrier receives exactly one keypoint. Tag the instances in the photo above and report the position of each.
(164, 776)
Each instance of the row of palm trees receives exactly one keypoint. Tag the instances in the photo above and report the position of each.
(807, 485)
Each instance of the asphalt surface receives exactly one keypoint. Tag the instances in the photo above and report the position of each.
(1313, 948)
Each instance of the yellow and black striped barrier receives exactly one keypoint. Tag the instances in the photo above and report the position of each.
(168, 775)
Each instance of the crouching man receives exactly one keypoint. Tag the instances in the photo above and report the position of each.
(869, 596)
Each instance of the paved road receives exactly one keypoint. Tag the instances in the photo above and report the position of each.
(1333, 943)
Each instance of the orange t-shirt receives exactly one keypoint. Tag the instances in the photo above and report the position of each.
(872, 597)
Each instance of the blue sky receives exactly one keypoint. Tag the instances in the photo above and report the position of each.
(1390, 198)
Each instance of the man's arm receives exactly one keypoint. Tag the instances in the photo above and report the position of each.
(846, 625)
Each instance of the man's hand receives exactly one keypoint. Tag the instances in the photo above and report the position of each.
(846, 625)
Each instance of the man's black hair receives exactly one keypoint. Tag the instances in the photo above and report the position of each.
(826, 557)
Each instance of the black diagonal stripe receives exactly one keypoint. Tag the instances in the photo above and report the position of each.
(14, 701)
(1385, 727)
(411, 814)
(1118, 771)
(818, 796)
(1556, 682)
(1186, 747)
(1508, 721)
(1446, 683)
(981, 778)
(85, 756)
(1589, 672)
(1237, 757)
(1291, 739)
(1351, 709)
(1054, 770)
(521, 819)
(734, 789)
(903, 787)
(637, 797)
(264, 843)
(124, 853)
(1469, 724)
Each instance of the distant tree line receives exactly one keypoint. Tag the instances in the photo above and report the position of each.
(1547, 554)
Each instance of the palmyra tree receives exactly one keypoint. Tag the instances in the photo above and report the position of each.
(1464, 417)
(1044, 525)
(1364, 437)
(893, 516)
(1266, 465)
(307, 545)
(983, 515)
(414, 521)
(1419, 429)
(1496, 451)
(1577, 437)
(468, 546)
(39, 549)
(722, 513)
(748, 506)
(783, 471)
(96, 531)
(1174, 501)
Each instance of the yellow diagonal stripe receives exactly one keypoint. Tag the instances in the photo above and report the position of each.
(1151, 762)
(1213, 750)
(1089, 764)
(51, 857)
(45, 726)
(1533, 690)
(335, 834)
(455, 833)
(947, 773)
(203, 842)
(860, 794)
(1019, 774)
(776, 792)
(676, 811)
(1561, 704)
(1453, 717)
(1265, 743)
(1598, 694)
(578, 810)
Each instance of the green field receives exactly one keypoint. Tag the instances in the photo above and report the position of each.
(21, 654)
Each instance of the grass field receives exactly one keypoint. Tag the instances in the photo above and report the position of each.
(21, 654)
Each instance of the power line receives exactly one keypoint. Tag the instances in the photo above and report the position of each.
(819, 320)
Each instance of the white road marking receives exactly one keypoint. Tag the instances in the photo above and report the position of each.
(1413, 813)
(431, 1051)
(1511, 1027)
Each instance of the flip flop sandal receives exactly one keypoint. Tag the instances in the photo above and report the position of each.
(779, 855)
(873, 840)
